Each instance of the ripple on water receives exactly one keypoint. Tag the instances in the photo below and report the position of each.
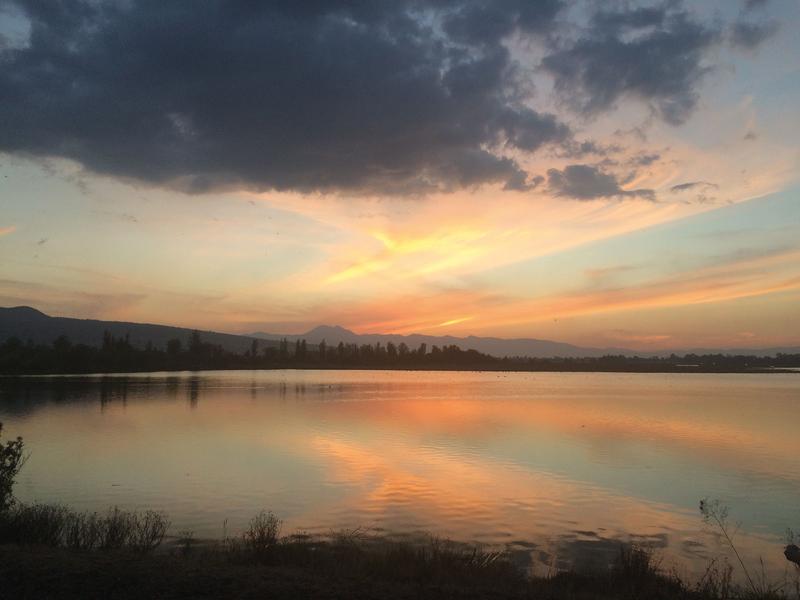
(556, 467)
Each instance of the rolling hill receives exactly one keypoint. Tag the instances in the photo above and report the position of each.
(27, 323)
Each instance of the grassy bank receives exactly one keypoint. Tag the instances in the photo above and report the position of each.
(300, 570)
(53, 552)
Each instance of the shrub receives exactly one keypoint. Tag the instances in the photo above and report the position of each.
(262, 534)
(11, 461)
(117, 529)
(55, 525)
(83, 531)
(636, 563)
(34, 524)
(148, 531)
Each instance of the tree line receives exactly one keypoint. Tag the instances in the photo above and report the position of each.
(118, 354)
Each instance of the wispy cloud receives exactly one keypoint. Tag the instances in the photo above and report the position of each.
(455, 321)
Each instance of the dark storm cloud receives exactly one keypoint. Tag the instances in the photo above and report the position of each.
(489, 21)
(636, 18)
(585, 182)
(652, 54)
(359, 96)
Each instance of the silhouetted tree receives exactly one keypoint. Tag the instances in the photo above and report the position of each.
(119, 355)
(11, 461)
(195, 344)
(62, 344)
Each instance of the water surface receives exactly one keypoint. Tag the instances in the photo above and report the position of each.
(556, 467)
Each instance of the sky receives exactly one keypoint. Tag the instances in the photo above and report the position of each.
(600, 173)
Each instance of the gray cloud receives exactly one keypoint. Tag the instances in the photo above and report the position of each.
(327, 96)
(645, 160)
(489, 21)
(754, 4)
(379, 96)
(652, 54)
(749, 35)
(585, 182)
(577, 150)
(690, 185)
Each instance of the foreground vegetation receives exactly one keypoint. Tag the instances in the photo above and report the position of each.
(117, 355)
(51, 551)
(38, 562)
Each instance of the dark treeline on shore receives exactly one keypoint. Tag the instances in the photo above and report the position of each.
(119, 355)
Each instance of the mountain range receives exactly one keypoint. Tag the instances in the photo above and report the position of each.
(531, 347)
(332, 335)
(27, 323)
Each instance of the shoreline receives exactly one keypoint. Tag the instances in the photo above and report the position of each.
(678, 370)
(258, 564)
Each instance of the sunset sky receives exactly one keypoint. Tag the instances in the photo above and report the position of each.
(599, 173)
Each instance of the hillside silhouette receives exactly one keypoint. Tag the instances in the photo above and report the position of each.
(29, 325)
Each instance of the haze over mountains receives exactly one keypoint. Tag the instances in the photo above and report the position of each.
(27, 323)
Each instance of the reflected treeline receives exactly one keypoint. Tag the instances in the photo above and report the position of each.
(116, 355)
(22, 395)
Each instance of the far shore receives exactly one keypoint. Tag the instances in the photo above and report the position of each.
(653, 369)
(119, 355)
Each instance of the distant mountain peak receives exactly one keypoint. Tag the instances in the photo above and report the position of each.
(332, 329)
(24, 311)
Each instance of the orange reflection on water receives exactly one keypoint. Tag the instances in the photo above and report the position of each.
(543, 460)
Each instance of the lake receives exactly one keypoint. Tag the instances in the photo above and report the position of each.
(557, 468)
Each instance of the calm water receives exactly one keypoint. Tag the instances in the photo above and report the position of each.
(556, 467)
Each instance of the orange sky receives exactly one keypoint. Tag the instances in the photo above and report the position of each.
(707, 257)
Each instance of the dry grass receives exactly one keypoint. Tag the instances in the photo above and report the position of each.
(59, 526)
(357, 561)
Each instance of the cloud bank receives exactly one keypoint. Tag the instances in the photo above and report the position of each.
(378, 97)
